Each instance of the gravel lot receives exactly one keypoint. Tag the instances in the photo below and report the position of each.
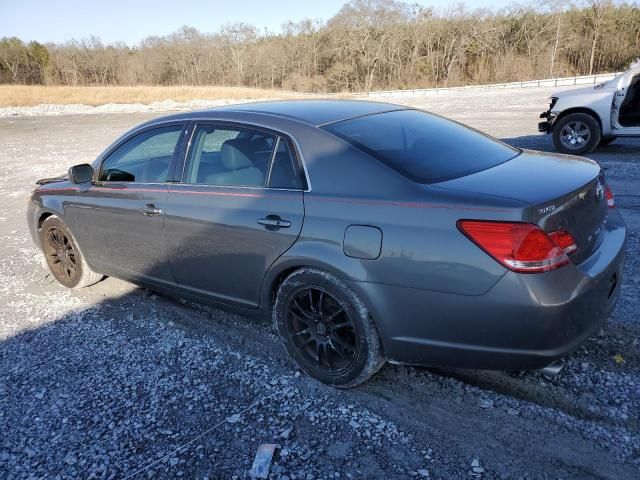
(104, 382)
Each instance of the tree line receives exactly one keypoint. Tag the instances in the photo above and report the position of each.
(367, 45)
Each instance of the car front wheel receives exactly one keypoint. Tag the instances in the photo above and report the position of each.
(63, 256)
(327, 329)
(576, 134)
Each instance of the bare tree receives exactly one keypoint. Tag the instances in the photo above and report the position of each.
(597, 15)
(368, 44)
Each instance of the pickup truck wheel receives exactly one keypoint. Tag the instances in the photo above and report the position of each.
(576, 134)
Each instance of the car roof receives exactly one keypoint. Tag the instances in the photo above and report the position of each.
(316, 112)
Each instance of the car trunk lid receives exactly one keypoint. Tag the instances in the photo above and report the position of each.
(564, 193)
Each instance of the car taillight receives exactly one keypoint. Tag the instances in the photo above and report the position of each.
(564, 240)
(521, 247)
(611, 201)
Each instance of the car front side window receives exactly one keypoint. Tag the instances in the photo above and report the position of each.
(145, 158)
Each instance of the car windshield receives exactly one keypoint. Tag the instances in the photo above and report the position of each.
(423, 147)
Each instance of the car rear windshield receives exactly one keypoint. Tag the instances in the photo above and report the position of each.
(425, 148)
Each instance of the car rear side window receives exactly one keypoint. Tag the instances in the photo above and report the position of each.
(228, 156)
(144, 158)
(423, 147)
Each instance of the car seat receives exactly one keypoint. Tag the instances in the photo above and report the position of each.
(239, 169)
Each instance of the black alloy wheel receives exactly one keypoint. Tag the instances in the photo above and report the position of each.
(321, 330)
(326, 328)
(61, 256)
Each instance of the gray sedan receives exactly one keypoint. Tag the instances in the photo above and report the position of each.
(368, 231)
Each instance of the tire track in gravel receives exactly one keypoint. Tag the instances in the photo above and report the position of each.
(420, 401)
(508, 441)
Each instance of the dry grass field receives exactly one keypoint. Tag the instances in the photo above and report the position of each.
(31, 95)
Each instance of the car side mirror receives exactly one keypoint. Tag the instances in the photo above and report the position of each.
(82, 173)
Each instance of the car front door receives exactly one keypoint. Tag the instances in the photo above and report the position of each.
(119, 218)
(626, 103)
(238, 207)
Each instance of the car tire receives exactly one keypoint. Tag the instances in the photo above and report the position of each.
(327, 329)
(63, 256)
(576, 134)
(606, 141)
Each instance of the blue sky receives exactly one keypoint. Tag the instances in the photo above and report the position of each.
(130, 21)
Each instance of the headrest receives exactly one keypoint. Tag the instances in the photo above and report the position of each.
(260, 144)
(233, 157)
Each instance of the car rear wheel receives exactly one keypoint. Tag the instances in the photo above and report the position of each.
(63, 256)
(576, 134)
(326, 329)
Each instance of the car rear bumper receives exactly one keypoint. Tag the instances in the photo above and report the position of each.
(526, 321)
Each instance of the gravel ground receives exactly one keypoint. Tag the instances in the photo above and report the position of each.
(115, 381)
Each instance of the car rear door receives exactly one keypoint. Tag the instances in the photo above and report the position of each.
(119, 218)
(238, 207)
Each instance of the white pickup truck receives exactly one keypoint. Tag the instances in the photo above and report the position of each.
(582, 119)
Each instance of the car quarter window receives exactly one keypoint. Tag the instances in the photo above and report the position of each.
(284, 173)
(144, 158)
(229, 156)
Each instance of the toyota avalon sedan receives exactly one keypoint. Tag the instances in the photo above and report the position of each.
(370, 232)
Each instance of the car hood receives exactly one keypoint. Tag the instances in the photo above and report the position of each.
(60, 178)
(531, 177)
(576, 91)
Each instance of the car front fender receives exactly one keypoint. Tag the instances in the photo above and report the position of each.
(597, 104)
(50, 199)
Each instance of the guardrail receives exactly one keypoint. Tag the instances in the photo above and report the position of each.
(549, 82)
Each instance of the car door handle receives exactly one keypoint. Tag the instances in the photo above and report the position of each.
(274, 222)
(150, 209)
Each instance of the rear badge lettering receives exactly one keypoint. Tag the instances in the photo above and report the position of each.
(545, 210)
